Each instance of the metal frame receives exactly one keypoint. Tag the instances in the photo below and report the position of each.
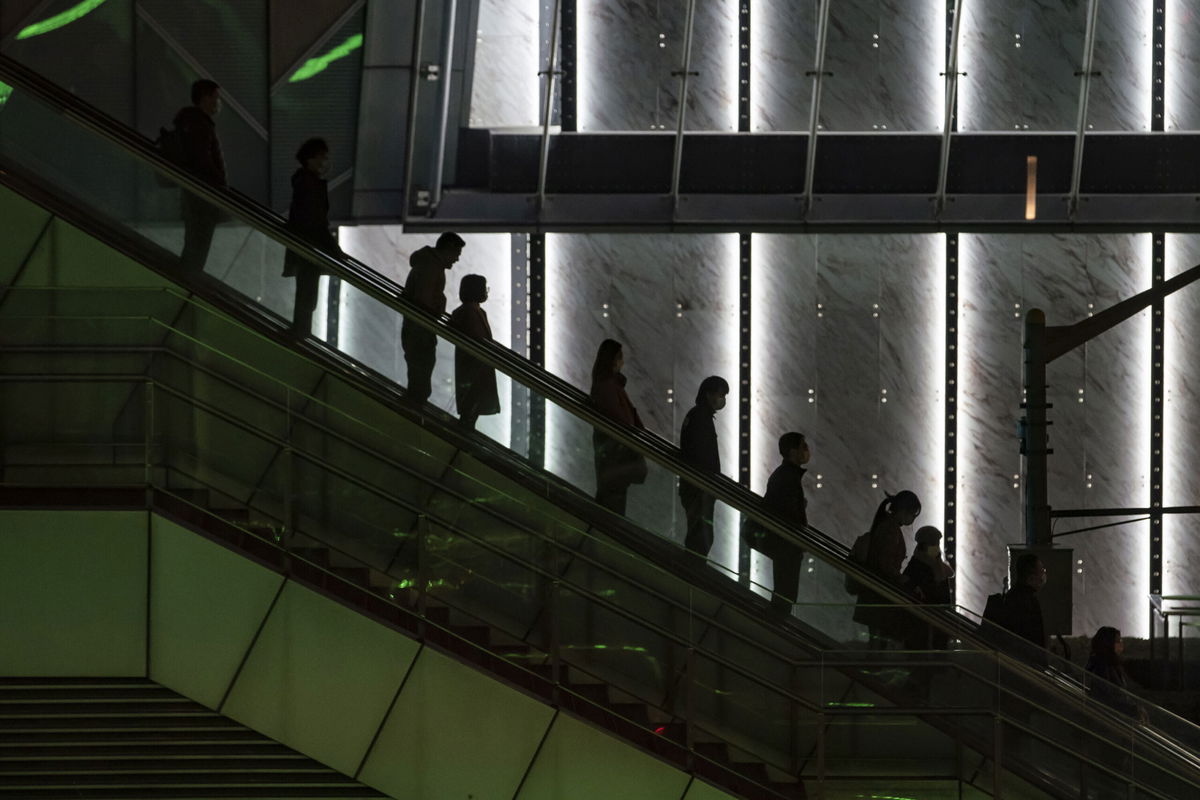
(684, 72)
(537, 344)
(318, 44)
(745, 54)
(818, 75)
(950, 115)
(449, 22)
(548, 103)
(1157, 409)
(745, 386)
(1085, 85)
(569, 107)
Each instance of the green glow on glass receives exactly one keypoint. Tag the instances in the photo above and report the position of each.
(850, 705)
(59, 20)
(885, 797)
(317, 65)
(5, 91)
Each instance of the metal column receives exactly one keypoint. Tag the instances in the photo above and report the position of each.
(537, 342)
(570, 66)
(744, 387)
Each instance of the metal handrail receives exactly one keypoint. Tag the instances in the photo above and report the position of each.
(808, 705)
(551, 387)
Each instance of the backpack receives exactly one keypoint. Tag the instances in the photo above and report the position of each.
(170, 146)
(859, 553)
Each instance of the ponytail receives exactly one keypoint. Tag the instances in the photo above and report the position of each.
(893, 503)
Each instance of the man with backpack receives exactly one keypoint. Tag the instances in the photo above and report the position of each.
(195, 145)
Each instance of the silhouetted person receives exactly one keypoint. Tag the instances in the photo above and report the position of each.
(1105, 664)
(1023, 609)
(784, 497)
(929, 576)
(308, 217)
(885, 557)
(698, 442)
(474, 381)
(197, 128)
(426, 286)
(617, 466)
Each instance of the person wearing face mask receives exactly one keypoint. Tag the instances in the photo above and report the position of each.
(885, 557)
(929, 575)
(308, 218)
(698, 443)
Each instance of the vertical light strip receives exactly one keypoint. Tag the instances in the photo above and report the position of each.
(967, 466)
(1177, 428)
(950, 384)
(745, 379)
(573, 33)
(1155, 415)
(744, 86)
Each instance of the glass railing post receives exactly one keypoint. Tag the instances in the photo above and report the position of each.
(148, 432)
(552, 612)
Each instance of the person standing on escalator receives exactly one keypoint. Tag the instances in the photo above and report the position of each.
(617, 466)
(200, 149)
(698, 443)
(308, 218)
(426, 286)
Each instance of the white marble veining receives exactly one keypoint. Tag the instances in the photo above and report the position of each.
(783, 44)
(1181, 423)
(1182, 66)
(1100, 445)
(627, 51)
(671, 300)
(885, 57)
(1021, 57)
(371, 332)
(505, 83)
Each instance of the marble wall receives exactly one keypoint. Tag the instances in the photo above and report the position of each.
(1021, 59)
(627, 50)
(783, 47)
(1181, 423)
(1182, 66)
(671, 300)
(1100, 395)
(505, 83)
(370, 331)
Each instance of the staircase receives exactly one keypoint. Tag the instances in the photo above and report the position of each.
(130, 738)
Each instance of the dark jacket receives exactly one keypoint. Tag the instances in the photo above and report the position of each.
(474, 381)
(426, 282)
(785, 497)
(308, 217)
(201, 147)
(885, 558)
(1111, 687)
(921, 576)
(1024, 615)
(610, 398)
(698, 443)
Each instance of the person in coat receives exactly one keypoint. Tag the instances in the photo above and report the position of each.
(201, 150)
(1024, 609)
(308, 218)
(617, 467)
(885, 558)
(785, 497)
(1107, 680)
(426, 286)
(474, 381)
(698, 443)
(929, 576)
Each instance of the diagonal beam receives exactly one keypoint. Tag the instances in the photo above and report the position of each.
(818, 76)
(318, 45)
(684, 73)
(951, 110)
(1085, 86)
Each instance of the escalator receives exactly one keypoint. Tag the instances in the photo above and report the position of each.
(193, 384)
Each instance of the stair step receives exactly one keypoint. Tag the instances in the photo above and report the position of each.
(150, 749)
(76, 737)
(115, 723)
(103, 708)
(178, 765)
(34, 694)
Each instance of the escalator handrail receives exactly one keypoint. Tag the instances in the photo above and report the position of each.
(552, 388)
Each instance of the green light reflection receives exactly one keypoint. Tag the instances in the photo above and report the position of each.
(317, 65)
(59, 20)
(5, 92)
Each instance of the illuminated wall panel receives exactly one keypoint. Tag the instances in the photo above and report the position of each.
(1182, 66)
(1020, 57)
(371, 331)
(1101, 405)
(627, 52)
(504, 85)
(847, 349)
(886, 59)
(782, 45)
(1181, 423)
(672, 301)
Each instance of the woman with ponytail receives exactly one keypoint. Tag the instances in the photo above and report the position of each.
(885, 558)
